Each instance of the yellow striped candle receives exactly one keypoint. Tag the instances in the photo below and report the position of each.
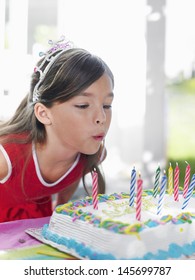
(170, 180)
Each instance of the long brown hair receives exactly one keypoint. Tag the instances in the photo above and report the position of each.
(73, 71)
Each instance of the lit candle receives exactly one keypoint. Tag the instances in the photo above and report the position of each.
(189, 192)
(176, 182)
(95, 189)
(170, 180)
(139, 198)
(162, 193)
(156, 182)
(186, 179)
(132, 187)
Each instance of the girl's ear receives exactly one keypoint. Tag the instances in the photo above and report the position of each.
(42, 113)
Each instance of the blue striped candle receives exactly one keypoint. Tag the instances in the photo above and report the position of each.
(162, 193)
(156, 182)
(132, 187)
(189, 192)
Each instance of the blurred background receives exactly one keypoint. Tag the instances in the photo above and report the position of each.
(150, 47)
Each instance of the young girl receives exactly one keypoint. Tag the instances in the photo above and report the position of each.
(57, 133)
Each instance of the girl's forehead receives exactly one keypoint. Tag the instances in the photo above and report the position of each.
(104, 84)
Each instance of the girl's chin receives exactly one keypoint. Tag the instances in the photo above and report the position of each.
(91, 151)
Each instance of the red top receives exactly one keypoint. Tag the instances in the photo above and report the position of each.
(25, 194)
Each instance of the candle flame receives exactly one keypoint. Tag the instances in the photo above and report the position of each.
(133, 166)
(94, 169)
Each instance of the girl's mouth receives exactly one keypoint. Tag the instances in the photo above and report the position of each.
(98, 137)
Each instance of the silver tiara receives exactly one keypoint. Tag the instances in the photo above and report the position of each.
(50, 56)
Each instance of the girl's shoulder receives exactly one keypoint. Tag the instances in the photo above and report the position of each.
(15, 137)
(14, 149)
(15, 141)
(3, 165)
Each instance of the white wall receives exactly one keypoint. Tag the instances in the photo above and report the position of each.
(116, 31)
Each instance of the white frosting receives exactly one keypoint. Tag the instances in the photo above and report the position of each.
(127, 246)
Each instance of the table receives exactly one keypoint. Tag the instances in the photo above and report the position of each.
(16, 244)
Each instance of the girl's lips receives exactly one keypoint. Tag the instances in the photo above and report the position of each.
(98, 137)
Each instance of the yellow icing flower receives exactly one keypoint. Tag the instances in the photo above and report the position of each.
(128, 230)
(87, 218)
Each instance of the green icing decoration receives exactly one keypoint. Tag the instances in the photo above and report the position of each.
(74, 209)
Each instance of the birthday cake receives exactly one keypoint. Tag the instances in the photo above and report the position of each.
(113, 232)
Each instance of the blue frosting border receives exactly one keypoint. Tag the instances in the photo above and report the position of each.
(174, 252)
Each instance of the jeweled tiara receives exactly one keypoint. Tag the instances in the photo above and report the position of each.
(50, 56)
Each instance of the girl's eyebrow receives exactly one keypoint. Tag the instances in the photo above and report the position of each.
(88, 94)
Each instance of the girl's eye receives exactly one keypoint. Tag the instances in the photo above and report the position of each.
(107, 106)
(82, 106)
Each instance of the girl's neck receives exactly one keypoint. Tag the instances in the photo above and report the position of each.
(54, 154)
(53, 162)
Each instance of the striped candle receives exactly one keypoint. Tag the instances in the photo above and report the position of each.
(139, 198)
(132, 187)
(156, 182)
(176, 182)
(186, 180)
(162, 193)
(95, 189)
(189, 192)
(170, 180)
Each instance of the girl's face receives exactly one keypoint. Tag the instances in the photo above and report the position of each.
(81, 123)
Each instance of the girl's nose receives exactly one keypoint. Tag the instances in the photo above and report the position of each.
(100, 117)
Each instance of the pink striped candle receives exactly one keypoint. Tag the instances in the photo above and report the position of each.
(187, 179)
(95, 189)
(189, 192)
(176, 182)
(139, 198)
